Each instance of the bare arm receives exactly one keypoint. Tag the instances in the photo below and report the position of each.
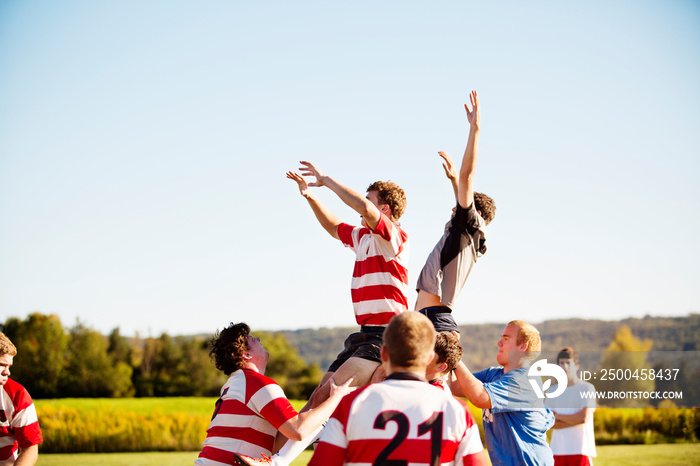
(27, 456)
(353, 199)
(303, 424)
(567, 420)
(465, 197)
(325, 217)
(450, 172)
(471, 387)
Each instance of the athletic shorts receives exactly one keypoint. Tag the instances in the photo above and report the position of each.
(441, 317)
(572, 460)
(365, 344)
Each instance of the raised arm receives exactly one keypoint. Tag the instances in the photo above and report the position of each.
(471, 387)
(363, 206)
(465, 196)
(325, 217)
(450, 172)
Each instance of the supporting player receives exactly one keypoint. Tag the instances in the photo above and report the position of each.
(380, 279)
(448, 353)
(20, 434)
(446, 270)
(573, 439)
(402, 418)
(253, 410)
(514, 418)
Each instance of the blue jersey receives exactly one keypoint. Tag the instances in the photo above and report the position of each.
(516, 425)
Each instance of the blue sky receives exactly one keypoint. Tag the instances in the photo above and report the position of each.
(143, 147)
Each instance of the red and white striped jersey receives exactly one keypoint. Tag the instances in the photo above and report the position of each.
(471, 449)
(402, 418)
(251, 409)
(19, 425)
(380, 278)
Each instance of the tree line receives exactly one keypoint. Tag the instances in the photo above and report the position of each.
(58, 362)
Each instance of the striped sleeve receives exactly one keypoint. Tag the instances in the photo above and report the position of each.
(471, 451)
(270, 401)
(332, 446)
(25, 422)
(395, 237)
(345, 233)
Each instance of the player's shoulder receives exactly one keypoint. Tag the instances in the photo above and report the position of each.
(17, 393)
(491, 374)
(256, 380)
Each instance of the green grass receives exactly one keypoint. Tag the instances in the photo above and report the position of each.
(608, 455)
(666, 454)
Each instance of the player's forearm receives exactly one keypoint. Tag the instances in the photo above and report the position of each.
(466, 172)
(568, 420)
(471, 387)
(305, 423)
(455, 187)
(355, 201)
(28, 456)
(325, 217)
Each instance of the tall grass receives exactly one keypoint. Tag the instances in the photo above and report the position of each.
(180, 424)
(99, 425)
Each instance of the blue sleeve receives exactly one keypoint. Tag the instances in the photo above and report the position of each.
(513, 392)
(487, 375)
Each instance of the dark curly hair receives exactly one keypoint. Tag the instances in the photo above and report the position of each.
(392, 195)
(448, 349)
(486, 206)
(228, 347)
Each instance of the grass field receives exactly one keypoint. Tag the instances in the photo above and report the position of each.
(677, 454)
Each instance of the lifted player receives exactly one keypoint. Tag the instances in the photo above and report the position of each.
(447, 268)
(379, 280)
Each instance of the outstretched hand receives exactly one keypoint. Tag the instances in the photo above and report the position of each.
(301, 182)
(343, 389)
(448, 165)
(473, 115)
(308, 169)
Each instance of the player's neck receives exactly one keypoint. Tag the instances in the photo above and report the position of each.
(259, 368)
(419, 372)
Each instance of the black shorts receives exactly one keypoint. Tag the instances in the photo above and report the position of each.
(365, 344)
(441, 317)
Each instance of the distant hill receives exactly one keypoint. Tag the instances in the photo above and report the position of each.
(321, 346)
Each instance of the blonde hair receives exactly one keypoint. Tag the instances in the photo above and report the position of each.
(6, 346)
(527, 333)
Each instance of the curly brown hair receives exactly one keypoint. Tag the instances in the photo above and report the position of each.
(228, 347)
(448, 349)
(6, 346)
(392, 195)
(485, 205)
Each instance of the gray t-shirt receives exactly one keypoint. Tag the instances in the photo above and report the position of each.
(447, 268)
